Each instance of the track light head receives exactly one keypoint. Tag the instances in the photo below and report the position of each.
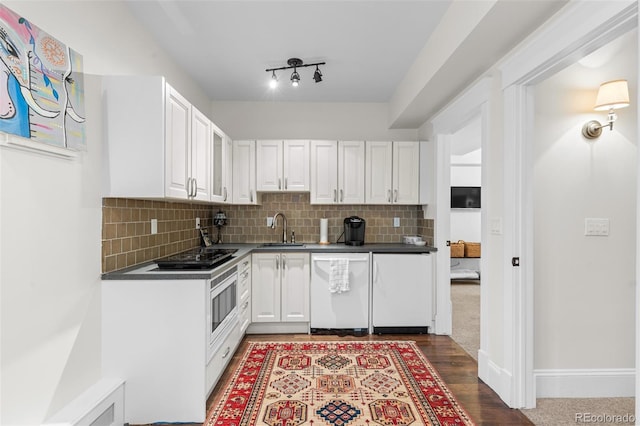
(274, 80)
(295, 78)
(317, 75)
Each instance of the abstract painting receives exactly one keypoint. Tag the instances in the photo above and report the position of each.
(41, 85)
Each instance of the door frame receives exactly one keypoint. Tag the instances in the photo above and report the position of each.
(580, 28)
(467, 107)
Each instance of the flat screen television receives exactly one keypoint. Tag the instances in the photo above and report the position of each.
(465, 197)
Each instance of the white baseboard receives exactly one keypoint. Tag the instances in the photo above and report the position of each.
(100, 405)
(585, 383)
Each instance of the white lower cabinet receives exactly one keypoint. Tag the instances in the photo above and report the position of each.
(154, 336)
(280, 287)
(157, 336)
(402, 292)
(244, 294)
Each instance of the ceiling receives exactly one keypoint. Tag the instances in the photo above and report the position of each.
(368, 46)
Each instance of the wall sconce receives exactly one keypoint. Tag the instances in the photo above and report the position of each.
(295, 63)
(611, 95)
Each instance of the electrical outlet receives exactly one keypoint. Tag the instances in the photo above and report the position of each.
(270, 221)
(197, 223)
(154, 226)
(396, 222)
(596, 227)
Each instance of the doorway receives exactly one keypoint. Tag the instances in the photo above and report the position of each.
(465, 235)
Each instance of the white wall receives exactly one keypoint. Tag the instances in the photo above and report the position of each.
(311, 120)
(50, 222)
(466, 170)
(584, 285)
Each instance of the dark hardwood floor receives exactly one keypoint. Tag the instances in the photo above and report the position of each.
(454, 365)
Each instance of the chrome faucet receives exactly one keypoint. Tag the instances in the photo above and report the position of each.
(284, 225)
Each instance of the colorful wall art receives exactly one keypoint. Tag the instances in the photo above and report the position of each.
(41, 85)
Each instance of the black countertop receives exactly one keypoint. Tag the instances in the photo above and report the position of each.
(149, 270)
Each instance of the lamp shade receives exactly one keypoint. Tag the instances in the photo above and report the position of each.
(612, 95)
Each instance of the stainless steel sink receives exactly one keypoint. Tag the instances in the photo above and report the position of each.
(281, 245)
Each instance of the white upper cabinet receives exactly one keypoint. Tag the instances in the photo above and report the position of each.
(392, 173)
(406, 172)
(337, 172)
(157, 144)
(177, 145)
(187, 144)
(222, 167)
(282, 165)
(244, 172)
(200, 174)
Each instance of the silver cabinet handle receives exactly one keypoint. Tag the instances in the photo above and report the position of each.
(195, 187)
(279, 183)
(335, 195)
(388, 195)
(284, 261)
(188, 188)
(251, 195)
(341, 195)
(277, 261)
(286, 183)
(395, 195)
(226, 353)
(225, 193)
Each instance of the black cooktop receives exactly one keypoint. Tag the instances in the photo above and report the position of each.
(196, 259)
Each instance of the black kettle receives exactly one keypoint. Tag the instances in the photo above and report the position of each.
(354, 227)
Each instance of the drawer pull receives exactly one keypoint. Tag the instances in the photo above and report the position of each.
(226, 353)
(246, 304)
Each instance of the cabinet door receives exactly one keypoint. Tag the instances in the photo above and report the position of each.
(218, 168)
(402, 290)
(244, 172)
(296, 165)
(269, 165)
(200, 156)
(378, 174)
(227, 172)
(324, 172)
(178, 136)
(295, 287)
(265, 287)
(351, 174)
(406, 172)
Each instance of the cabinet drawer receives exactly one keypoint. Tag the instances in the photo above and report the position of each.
(244, 285)
(221, 358)
(244, 316)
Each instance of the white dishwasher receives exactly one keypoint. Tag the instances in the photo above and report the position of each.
(347, 311)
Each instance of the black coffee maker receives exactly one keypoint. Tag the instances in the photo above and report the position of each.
(354, 231)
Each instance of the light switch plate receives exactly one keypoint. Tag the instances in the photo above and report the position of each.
(270, 221)
(496, 226)
(597, 227)
(396, 222)
(154, 226)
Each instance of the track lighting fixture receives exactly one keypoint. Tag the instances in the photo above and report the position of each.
(295, 63)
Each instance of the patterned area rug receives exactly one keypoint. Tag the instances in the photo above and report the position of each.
(336, 383)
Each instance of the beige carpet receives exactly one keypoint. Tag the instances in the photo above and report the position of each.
(465, 297)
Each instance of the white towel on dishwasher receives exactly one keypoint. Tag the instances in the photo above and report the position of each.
(338, 275)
